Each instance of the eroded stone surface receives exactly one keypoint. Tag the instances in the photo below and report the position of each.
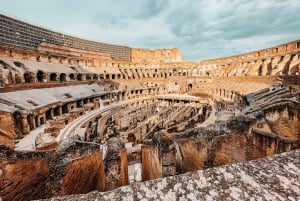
(272, 178)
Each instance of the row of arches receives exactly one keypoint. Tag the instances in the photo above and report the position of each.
(42, 76)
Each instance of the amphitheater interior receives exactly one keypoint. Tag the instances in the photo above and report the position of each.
(82, 119)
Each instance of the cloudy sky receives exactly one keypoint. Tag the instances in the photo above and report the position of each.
(199, 28)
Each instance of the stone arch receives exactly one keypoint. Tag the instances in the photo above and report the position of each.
(72, 76)
(294, 70)
(260, 70)
(40, 76)
(95, 77)
(142, 73)
(79, 77)
(28, 77)
(132, 73)
(102, 77)
(53, 77)
(62, 77)
(138, 73)
(88, 77)
(269, 69)
(286, 68)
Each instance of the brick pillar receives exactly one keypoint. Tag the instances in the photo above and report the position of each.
(25, 125)
(38, 123)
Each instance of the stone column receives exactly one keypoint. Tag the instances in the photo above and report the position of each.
(60, 110)
(25, 125)
(81, 103)
(38, 122)
(32, 122)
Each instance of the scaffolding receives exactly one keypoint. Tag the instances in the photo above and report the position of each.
(17, 33)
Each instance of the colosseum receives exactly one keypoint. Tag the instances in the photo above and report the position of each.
(86, 120)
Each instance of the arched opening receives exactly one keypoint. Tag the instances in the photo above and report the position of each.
(40, 76)
(95, 77)
(79, 77)
(132, 73)
(285, 68)
(102, 77)
(138, 74)
(42, 120)
(113, 76)
(119, 76)
(88, 77)
(28, 77)
(37, 122)
(71, 76)
(48, 115)
(190, 87)
(53, 77)
(62, 77)
(260, 70)
(107, 76)
(65, 109)
(18, 119)
(57, 111)
(295, 70)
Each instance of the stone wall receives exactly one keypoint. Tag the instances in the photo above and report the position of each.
(139, 55)
(23, 176)
(151, 163)
(83, 174)
(236, 141)
(75, 168)
(7, 128)
(282, 59)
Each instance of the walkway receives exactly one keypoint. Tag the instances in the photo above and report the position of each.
(28, 142)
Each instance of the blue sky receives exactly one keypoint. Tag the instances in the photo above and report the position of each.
(199, 28)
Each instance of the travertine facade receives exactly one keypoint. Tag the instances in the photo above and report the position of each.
(139, 55)
(90, 117)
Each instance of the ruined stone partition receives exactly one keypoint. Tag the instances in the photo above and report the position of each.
(116, 165)
(8, 132)
(75, 167)
(151, 163)
(205, 148)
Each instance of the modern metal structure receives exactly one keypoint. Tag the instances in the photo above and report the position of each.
(18, 33)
